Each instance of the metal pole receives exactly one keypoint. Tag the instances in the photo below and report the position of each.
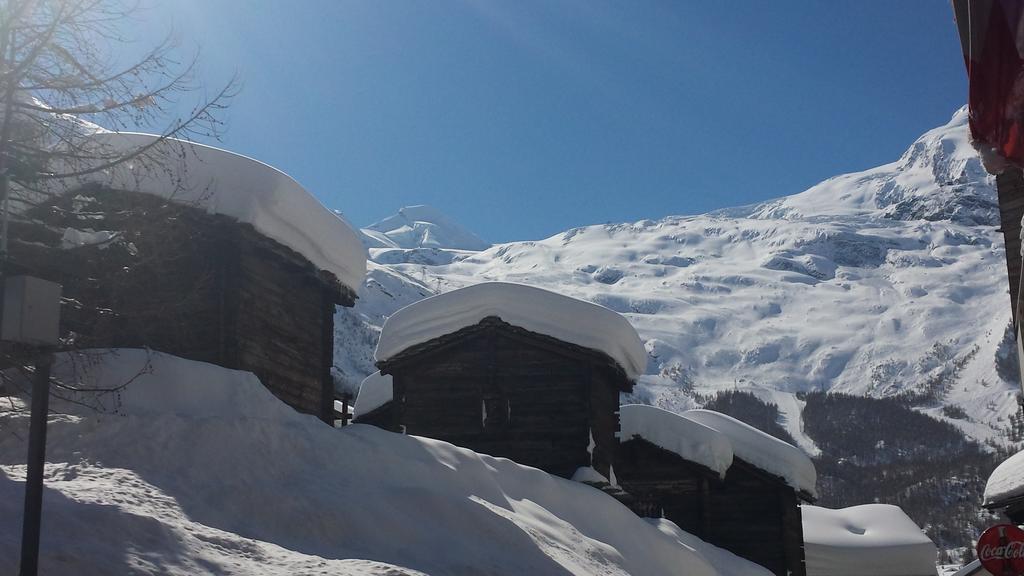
(36, 461)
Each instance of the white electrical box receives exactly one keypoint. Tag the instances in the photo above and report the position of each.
(31, 312)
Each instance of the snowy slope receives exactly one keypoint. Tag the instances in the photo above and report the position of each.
(885, 282)
(196, 469)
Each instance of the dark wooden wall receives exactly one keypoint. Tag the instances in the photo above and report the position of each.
(1010, 187)
(192, 284)
(757, 517)
(750, 513)
(664, 485)
(542, 398)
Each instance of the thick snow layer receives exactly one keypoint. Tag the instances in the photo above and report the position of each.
(197, 469)
(1006, 481)
(876, 539)
(375, 391)
(421, 227)
(761, 450)
(250, 191)
(683, 436)
(542, 311)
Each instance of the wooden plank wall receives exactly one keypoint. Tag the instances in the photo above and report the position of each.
(279, 325)
(540, 403)
(663, 485)
(757, 519)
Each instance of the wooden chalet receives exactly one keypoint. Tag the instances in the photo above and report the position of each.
(186, 280)
(480, 368)
(687, 472)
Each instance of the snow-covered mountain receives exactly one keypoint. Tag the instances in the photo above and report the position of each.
(886, 282)
(421, 227)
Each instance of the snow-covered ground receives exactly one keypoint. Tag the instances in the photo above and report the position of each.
(196, 469)
(878, 283)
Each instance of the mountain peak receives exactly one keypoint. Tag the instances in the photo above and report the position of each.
(939, 177)
(421, 226)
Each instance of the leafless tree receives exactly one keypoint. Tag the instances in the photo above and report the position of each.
(63, 82)
(60, 80)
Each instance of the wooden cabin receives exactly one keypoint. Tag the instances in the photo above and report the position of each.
(510, 370)
(182, 278)
(690, 469)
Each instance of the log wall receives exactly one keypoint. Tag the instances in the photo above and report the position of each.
(503, 391)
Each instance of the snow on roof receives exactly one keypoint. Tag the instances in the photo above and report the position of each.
(1006, 481)
(250, 191)
(534, 309)
(877, 539)
(762, 450)
(375, 391)
(687, 438)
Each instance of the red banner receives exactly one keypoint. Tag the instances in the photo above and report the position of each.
(992, 39)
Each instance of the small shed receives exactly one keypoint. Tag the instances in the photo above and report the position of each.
(720, 479)
(508, 370)
(876, 539)
(215, 257)
(1004, 491)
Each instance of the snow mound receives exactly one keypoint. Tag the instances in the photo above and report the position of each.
(877, 539)
(762, 450)
(250, 191)
(535, 309)
(375, 391)
(202, 470)
(687, 438)
(1006, 481)
(421, 227)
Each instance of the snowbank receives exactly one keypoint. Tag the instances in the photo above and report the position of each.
(250, 191)
(1006, 481)
(202, 470)
(567, 319)
(761, 450)
(688, 438)
(375, 391)
(876, 539)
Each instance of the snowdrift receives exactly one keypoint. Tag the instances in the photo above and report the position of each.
(199, 469)
(877, 539)
(535, 309)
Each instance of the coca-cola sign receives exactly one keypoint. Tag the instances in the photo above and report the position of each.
(1001, 550)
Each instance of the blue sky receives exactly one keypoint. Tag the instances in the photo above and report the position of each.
(524, 118)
